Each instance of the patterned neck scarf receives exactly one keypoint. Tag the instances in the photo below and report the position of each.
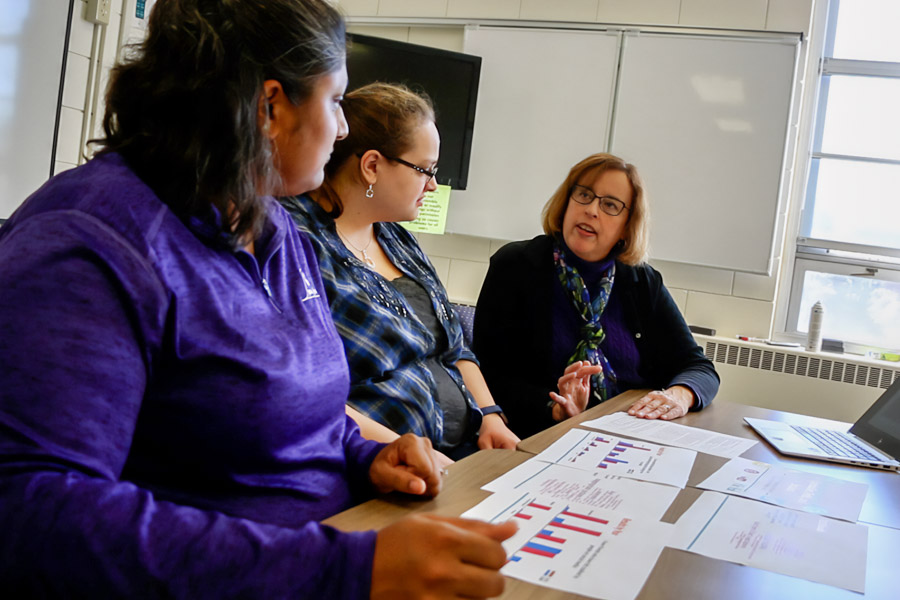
(603, 385)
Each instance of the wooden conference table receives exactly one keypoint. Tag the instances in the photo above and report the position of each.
(677, 574)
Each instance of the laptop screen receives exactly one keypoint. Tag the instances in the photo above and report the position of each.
(880, 425)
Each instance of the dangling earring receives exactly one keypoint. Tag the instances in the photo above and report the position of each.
(370, 193)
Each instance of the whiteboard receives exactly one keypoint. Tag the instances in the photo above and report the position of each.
(543, 104)
(705, 118)
(706, 122)
(33, 38)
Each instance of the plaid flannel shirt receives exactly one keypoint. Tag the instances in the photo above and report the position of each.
(385, 342)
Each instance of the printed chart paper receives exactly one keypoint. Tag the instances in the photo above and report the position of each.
(776, 539)
(592, 451)
(808, 492)
(672, 434)
(575, 548)
(598, 490)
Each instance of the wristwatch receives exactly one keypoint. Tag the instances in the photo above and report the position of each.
(493, 410)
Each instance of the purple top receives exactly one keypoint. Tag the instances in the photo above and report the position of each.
(618, 346)
(171, 411)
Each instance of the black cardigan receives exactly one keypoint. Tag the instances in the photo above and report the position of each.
(513, 332)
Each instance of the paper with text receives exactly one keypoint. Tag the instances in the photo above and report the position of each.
(433, 213)
(575, 548)
(597, 490)
(799, 490)
(672, 434)
(776, 539)
(592, 451)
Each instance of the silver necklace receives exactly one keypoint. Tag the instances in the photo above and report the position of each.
(365, 255)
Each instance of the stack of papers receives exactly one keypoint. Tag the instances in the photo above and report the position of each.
(573, 547)
(672, 434)
(596, 490)
(589, 508)
(776, 539)
(798, 490)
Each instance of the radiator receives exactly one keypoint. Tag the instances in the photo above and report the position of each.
(832, 386)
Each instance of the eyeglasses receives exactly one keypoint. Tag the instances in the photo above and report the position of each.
(611, 206)
(427, 173)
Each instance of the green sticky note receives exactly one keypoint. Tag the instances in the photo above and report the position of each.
(433, 214)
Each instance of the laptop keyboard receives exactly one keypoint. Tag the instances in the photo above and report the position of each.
(835, 443)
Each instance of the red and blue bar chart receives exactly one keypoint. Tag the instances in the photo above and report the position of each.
(548, 542)
(594, 551)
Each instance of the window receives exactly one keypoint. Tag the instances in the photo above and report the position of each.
(848, 248)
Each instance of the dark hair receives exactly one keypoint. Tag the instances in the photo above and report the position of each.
(381, 116)
(182, 109)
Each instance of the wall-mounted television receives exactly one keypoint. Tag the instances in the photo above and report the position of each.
(449, 78)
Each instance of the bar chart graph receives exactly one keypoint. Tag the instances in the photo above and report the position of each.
(526, 512)
(562, 525)
(620, 453)
(575, 547)
(596, 452)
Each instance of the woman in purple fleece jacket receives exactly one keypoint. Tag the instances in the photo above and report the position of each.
(172, 386)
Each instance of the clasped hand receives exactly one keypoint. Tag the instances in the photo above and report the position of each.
(408, 464)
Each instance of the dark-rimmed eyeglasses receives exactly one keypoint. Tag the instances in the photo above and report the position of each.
(426, 172)
(611, 206)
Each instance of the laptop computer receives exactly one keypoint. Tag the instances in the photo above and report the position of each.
(873, 441)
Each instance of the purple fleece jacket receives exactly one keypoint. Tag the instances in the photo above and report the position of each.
(171, 411)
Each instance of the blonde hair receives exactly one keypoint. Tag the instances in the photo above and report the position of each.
(381, 116)
(637, 229)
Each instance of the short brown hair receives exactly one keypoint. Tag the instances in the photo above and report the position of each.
(381, 116)
(637, 229)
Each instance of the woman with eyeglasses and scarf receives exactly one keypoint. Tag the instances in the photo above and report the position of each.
(575, 316)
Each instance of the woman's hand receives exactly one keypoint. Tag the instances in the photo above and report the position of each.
(664, 404)
(443, 461)
(428, 556)
(408, 464)
(495, 434)
(574, 390)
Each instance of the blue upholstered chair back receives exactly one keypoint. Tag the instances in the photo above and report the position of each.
(466, 316)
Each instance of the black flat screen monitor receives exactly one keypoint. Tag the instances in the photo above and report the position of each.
(449, 78)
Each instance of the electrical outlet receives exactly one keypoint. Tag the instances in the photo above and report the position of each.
(98, 11)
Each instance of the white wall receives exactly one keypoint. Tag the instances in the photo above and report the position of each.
(93, 50)
(772, 15)
(728, 301)
(731, 302)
